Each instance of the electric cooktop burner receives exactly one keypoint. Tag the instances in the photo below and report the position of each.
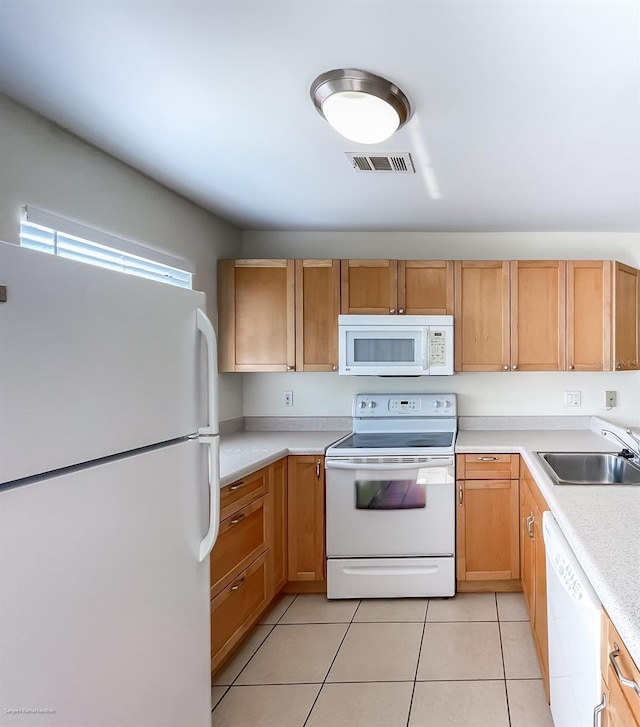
(386, 440)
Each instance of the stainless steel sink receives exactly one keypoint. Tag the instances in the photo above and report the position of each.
(590, 468)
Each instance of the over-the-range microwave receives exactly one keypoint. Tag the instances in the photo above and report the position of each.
(395, 345)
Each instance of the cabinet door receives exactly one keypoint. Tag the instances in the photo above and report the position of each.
(306, 518)
(527, 551)
(256, 315)
(278, 526)
(425, 287)
(488, 547)
(625, 317)
(317, 309)
(540, 628)
(369, 287)
(589, 315)
(617, 712)
(482, 315)
(538, 322)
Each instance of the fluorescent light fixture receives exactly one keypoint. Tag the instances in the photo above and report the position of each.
(360, 106)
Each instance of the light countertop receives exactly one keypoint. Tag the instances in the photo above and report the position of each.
(245, 452)
(601, 524)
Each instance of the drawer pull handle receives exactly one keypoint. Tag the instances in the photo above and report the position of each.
(597, 709)
(621, 678)
(238, 519)
(487, 459)
(237, 486)
(460, 495)
(530, 520)
(238, 584)
(317, 469)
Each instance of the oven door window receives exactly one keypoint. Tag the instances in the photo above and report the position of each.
(381, 494)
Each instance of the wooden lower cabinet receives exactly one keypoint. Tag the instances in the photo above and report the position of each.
(248, 561)
(487, 521)
(306, 549)
(533, 566)
(236, 608)
(278, 530)
(622, 703)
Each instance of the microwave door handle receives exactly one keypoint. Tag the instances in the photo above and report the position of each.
(391, 466)
(425, 351)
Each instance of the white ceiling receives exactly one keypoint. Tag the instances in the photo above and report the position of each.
(527, 112)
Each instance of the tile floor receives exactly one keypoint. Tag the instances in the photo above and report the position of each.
(467, 661)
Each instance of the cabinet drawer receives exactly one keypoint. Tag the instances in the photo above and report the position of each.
(243, 491)
(488, 466)
(627, 667)
(235, 609)
(243, 536)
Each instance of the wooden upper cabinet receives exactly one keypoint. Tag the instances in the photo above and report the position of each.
(625, 317)
(369, 287)
(425, 287)
(589, 315)
(317, 309)
(256, 315)
(538, 322)
(482, 315)
(389, 287)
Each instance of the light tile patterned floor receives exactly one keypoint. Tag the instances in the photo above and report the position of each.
(468, 661)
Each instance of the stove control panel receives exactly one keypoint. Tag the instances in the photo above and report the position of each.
(404, 405)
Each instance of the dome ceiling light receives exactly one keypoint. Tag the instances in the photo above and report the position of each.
(361, 106)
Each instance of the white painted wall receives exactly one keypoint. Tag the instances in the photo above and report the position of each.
(44, 166)
(480, 394)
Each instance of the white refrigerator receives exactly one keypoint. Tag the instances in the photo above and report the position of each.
(109, 497)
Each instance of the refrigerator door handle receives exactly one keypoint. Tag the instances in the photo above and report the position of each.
(209, 434)
(209, 335)
(210, 538)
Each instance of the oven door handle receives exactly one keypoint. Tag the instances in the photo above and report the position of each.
(389, 466)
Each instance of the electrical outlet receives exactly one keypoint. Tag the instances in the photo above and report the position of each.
(572, 398)
(610, 399)
(287, 398)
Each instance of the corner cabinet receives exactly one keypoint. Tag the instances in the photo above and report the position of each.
(306, 523)
(533, 566)
(487, 522)
(256, 319)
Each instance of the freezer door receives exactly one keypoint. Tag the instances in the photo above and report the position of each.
(104, 603)
(92, 363)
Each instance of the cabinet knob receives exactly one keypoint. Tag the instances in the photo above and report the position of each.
(392, 310)
(291, 368)
(505, 368)
(334, 368)
(514, 367)
(570, 367)
(401, 311)
(618, 366)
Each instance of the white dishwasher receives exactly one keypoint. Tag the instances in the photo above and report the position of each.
(574, 614)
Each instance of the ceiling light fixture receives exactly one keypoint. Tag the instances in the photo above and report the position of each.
(361, 106)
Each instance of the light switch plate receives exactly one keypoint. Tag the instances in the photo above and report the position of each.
(572, 398)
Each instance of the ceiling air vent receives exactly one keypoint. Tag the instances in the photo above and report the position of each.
(387, 163)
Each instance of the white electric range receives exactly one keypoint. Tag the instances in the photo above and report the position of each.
(390, 499)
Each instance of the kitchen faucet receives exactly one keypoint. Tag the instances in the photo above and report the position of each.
(626, 451)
